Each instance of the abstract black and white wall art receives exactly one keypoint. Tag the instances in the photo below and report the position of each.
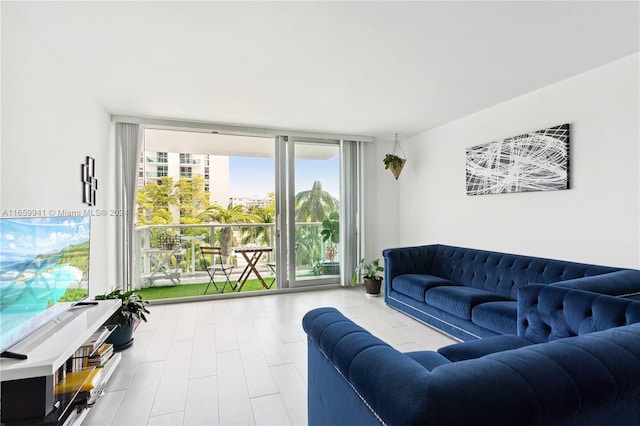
(536, 161)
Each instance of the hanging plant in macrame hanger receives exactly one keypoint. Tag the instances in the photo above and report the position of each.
(394, 161)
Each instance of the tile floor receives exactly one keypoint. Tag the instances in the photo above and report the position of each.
(236, 361)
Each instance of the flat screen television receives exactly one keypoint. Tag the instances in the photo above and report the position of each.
(44, 271)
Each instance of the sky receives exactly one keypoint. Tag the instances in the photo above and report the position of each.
(32, 236)
(253, 176)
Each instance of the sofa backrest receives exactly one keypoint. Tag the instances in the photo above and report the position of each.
(592, 379)
(547, 313)
(408, 260)
(504, 273)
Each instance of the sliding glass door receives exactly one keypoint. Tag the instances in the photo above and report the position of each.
(310, 212)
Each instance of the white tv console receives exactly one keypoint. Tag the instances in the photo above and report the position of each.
(47, 350)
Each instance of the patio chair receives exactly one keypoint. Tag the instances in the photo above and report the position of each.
(216, 266)
(272, 266)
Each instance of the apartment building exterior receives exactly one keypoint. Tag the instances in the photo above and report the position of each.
(214, 168)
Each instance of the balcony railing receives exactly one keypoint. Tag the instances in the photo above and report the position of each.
(156, 160)
(156, 174)
(189, 161)
(170, 254)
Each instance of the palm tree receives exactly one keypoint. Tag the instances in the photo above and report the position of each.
(229, 215)
(315, 204)
(308, 245)
(260, 234)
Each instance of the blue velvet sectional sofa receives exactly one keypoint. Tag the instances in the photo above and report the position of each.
(575, 360)
(471, 293)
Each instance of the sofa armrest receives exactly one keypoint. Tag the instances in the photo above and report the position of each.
(547, 312)
(407, 260)
(388, 382)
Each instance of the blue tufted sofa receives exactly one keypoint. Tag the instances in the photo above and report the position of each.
(471, 293)
(575, 361)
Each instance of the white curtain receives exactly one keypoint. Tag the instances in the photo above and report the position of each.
(129, 137)
(350, 207)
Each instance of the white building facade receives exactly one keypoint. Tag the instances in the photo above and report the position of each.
(214, 168)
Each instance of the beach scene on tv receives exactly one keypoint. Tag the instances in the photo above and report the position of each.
(44, 268)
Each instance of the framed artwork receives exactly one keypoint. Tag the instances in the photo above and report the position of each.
(535, 161)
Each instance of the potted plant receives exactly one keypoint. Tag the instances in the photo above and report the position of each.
(331, 236)
(395, 163)
(369, 272)
(126, 318)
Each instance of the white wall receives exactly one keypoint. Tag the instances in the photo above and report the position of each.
(380, 200)
(49, 125)
(596, 221)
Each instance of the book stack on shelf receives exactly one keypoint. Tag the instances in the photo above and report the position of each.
(100, 357)
(82, 379)
(86, 354)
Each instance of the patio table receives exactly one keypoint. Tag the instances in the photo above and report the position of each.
(161, 258)
(167, 247)
(252, 255)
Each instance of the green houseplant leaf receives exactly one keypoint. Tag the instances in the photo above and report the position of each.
(331, 229)
(367, 270)
(392, 161)
(133, 307)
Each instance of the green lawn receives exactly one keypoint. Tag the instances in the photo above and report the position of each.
(186, 290)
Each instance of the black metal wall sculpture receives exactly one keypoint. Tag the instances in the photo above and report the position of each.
(89, 182)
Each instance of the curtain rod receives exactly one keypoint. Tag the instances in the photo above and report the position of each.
(229, 129)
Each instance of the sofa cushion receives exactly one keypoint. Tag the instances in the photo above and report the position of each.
(450, 324)
(428, 359)
(501, 317)
(478, 348)
(459, 300)
(416, 285)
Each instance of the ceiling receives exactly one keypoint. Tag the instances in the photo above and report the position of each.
(362, 68)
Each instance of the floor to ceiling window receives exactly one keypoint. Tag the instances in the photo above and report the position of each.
(272, 205)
